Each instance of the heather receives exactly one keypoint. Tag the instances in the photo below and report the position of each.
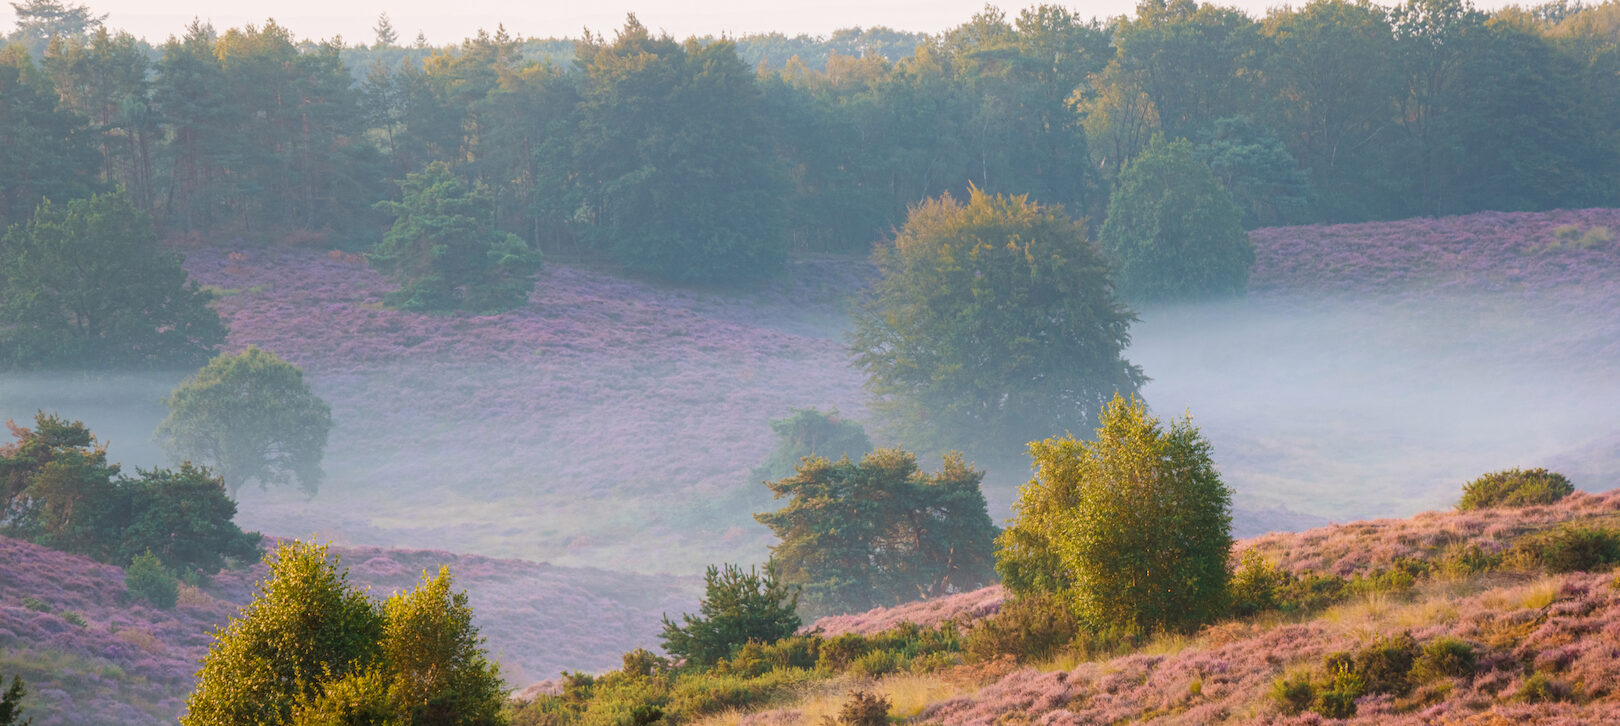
(130, 662)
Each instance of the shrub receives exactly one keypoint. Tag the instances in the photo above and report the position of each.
(1542, 688)
(72, 617)
(1573, 548)
(861, 709)
(1257, 585)
(1444, 657)
(737, 607)
(808, 432)
(36, 605)
(1293, 695)
(146, 577)
(1385, 665)
(1029, 627)
(1172, 231)
(1138, 521)
(838, 652)
(1515, 488)
(11, 703)
(1336, 697)
(877, 663)
(1463, 560)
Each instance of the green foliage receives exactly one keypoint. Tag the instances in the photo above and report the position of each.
(1257, 586)
(994, 323)
(1137, 523)
(74, 618)
(861, 709)
(737, 607)
(253, 417)
(678, 179)
(1031, 628)
(57, 489)
(49, 152)
(445, 252)
(808, 432)
(1444, 657)
(313, 650)
(440, 672)
(1252, 163)
(305, 627)
(1515, 488)
(1293, 695)
(880, 532)
(1392, 665)
(35, 604)
(147, 578)
(1173, 232)
(11, 703)
(1542, 688)
(1573, 548)
(85, 285)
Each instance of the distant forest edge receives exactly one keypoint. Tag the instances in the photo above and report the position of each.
(635, 147)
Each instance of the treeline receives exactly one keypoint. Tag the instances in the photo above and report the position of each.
(685, 160)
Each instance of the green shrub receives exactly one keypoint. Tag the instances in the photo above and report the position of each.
(1573, 548)
(737, 607)
(877, 663)
(1385, 666)
(72, 617)
(1028, 627)
(1515, 488)
(147, 578)
(1293, 695)
(1336, 698)
(1257, 586)
(1467, 560)
(1542, 688)
(1312, 591)
(36, 605)
(1444, 657)
(838, 652)
(862, 709)
(11, 703)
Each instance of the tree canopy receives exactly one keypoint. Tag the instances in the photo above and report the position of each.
(738, 607)
(880, 532)
(1133, 528)
(253, 417)
(994, 324)
(85, 285)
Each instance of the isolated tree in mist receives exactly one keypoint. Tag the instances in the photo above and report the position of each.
(994, 324)
(738, 607)
(809, 432)
(445, 251)
(1173, 232)
(252, 417)
(854, 536)
(1133, 529)
(85, 284)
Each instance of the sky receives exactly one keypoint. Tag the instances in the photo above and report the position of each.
(449, 22)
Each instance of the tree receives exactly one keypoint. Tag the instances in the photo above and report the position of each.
(738, 607)
(1173, 232)
(1133, 528)
(809, 432)
(854, 536)
(445, 251)
(306, 627)
(252, 417)
(57, 489)
(40, 21)
(384, 29)
(994, 323)
(86, 284)
(48, 150)
(440, 672)
(11, 704)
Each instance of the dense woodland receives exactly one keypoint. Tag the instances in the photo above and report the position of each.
(638, 148)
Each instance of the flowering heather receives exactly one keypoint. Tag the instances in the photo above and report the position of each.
(961, 607)
(134, 664)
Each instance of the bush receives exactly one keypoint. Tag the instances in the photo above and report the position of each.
(862, 709)
(1138, 523)
(1257, 586)
(1444, 657)
(1573, 548)
(146, 577)
(36, 605)
(1385, 666)
(1029, 627)
(1515, 488)
(1542, 688)
(1293, 695)
(808, 432)
(1172, 231)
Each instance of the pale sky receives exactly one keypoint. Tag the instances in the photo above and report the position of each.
(447, 22)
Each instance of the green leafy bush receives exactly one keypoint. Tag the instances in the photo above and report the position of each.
(1573, 548)
(1257, 585)
(808, 432)
(1445, 657)
(1029, 627)
(1515, 488)
(1293, 695)
(1137, 523)
(36, 605)
(1542, 688)
(76, 619)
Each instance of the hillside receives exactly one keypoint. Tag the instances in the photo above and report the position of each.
(91, 657)
(1561, 632)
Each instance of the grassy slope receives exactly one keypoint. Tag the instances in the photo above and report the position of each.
(1566, 626)
(133, 664)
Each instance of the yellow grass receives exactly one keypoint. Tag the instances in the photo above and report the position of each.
(908, 695)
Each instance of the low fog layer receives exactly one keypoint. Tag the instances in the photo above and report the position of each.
(618, 426)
